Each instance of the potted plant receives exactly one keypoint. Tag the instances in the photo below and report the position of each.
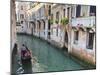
(64, 21)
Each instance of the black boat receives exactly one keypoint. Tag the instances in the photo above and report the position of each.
(26, 57)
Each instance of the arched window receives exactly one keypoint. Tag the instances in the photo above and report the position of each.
(22, 16)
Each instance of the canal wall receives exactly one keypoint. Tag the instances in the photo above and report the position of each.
(83, 56)
(57, 44)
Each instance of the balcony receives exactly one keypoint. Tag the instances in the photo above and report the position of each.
(84, 21)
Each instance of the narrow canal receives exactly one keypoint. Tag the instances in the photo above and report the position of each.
(49, 57)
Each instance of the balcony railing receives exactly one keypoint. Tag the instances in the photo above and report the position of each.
(84, 21)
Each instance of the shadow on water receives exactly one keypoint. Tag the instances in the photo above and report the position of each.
(27, 66)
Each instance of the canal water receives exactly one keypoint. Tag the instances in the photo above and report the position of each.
(49, 58)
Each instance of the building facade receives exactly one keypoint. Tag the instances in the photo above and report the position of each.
(21, 17)
(38, 20)
(59, 32)
(83, 32)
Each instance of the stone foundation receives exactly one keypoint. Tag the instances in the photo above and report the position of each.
(57, 44)
(84, 56)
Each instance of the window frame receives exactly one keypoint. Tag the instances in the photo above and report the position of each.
(88, 43)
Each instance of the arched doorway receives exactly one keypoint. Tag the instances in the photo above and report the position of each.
(43, 27)
(66, 40)
(38, 27)
(31, 27)
(66, 37)
(65, 47)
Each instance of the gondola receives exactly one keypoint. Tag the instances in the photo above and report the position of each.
(26, 55)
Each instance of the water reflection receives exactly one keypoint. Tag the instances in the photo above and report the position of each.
(27, 66)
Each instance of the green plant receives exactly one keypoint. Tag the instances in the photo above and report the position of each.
(56, 21)
(64, 21)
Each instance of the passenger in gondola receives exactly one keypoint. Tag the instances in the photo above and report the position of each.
(25, 53)
(28, 54)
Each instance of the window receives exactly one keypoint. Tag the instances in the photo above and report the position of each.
(21, 16)
(73, 14)
(34, 27)
(51, 16)
(18, 24)
(52, 31)
(57, 32)
(78, 11)
(92, 10)
(22, 26)
(21, 22)
(90, 40)
(57, 16)
(66, 37)
(76, 34)
(21, 7)
(33, 16)
(68, 12)
(39, 25)
(44, 25)
(49, 11)
(51, 19)
(44, 28)
(39, 12)
(64, 12)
